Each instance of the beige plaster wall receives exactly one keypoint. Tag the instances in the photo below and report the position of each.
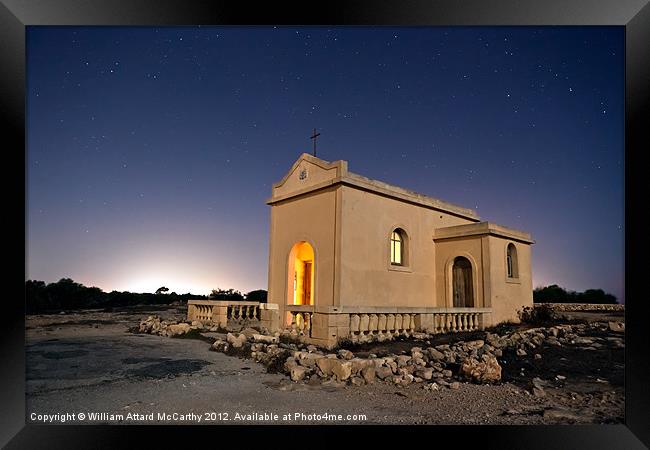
(310, 218)
(509, 295)
(366, 276)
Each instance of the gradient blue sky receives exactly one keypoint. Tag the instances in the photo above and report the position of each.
(151, 151)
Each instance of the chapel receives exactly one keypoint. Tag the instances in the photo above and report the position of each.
(359, 259)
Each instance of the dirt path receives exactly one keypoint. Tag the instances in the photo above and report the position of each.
(89, 363)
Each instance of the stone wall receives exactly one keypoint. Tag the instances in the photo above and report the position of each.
(572, 307)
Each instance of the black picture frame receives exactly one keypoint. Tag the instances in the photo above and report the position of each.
(634, 15)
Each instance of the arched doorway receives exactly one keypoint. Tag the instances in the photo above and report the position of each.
(301, 275)
(462, 283)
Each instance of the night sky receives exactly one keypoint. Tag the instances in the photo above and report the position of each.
(151, 151)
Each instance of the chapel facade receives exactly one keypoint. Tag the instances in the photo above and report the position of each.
(359, 259)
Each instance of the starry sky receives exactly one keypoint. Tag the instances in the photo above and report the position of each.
(151, 151)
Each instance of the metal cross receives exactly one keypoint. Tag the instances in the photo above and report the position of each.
(314, 136)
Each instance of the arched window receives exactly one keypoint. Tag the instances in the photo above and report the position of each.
(398, 247)
(511, 261)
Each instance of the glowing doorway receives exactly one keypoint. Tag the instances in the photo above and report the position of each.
(301, 275)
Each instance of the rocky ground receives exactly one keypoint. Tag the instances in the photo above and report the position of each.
(567, 371)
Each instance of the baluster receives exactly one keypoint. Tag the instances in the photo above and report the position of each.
(398, 323)
(372, 324)
(363, 324)
(381, 323)
(354, 324)
(390, 323)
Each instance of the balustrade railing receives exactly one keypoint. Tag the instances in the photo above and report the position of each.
(453, 322)
(299, 319)
(237, 311)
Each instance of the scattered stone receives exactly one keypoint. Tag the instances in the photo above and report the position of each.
(220, 345)
(178, 329)
(425, 373)
(435, 354)
(485, 371)
(368, 374)
(538, 387)
(383, 372)
(265, 339)
(538, 356)
(298, 373)
(617, 327)
(236, 341)
(521, 352)
(455, 385)
(345, 354)
(342, 370)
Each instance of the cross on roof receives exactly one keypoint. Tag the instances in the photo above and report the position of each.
(314, 136)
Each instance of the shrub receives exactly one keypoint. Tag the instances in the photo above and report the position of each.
(537, 314)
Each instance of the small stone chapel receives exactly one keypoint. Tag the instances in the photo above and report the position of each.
(359, 259)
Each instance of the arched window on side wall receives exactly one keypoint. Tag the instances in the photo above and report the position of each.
(398, 247)
(511, 261)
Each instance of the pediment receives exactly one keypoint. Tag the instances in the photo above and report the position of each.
(308, 171)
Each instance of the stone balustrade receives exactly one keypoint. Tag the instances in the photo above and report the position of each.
(327, 325)
(456, 321)
(226, 313)
(299, 319)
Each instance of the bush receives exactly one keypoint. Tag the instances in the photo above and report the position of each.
(536, 315)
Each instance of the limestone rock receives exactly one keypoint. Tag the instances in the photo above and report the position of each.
(617, 327)
(298, 373)
(178, 329)
(521, 352)
(368, 374)
(402, 360)
(345, 354)
(290, 363)
(249, 332)
(325, 365)
(265, 339)
(220, 345)
(383, 372)
(236, 341)
(342, 370)
(485, 371)
(424, 373)
(358, 364)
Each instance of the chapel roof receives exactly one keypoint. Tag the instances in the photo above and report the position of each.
(341, 175)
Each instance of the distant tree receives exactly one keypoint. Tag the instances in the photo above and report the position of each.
(226, 294)
(259, 295)
(557, 294)
(67, 294)
(162, 289)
